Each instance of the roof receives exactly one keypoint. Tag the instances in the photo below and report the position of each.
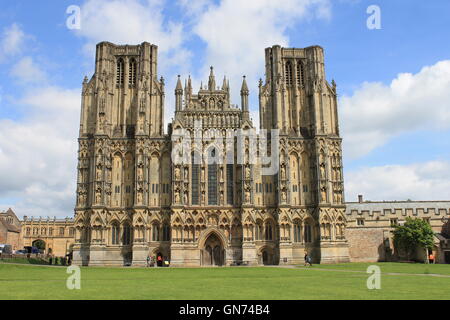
(9, 227)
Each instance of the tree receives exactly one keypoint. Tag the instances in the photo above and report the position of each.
(414, 233)
(40, 244)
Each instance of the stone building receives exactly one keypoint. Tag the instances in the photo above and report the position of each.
(10, 229)
(211, 191)
(57, 236)
(369, 226)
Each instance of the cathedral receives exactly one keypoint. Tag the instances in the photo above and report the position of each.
(211, 191)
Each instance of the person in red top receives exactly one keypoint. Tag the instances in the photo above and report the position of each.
(160, 261)
(431, 258)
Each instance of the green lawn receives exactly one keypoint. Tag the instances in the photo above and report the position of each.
(389, 267)
(41, 282)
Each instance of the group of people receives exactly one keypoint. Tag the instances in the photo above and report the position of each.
(160, 262)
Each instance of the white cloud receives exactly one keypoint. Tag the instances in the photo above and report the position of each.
(419, 181)
(237, 32)
(38, 153)
(133, 22)
(376, 112)
(27, 71)
(129, 22)
(194, 7)
(12, 41)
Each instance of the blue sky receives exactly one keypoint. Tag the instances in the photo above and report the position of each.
(393, 83)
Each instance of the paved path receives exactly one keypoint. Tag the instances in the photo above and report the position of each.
(360, 271)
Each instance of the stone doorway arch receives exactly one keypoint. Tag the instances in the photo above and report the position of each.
(40, 244)
(266, 256)
(213, 252)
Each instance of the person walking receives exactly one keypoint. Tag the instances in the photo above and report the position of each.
(307, 259)
(148, 261)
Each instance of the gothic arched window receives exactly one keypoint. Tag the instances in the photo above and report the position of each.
(195, 192)
(166, 232)
(132, 72)
(115, 233)
(259, 230)
(119, 72)
(126, 237)
(230, 184)
(212, 178)
(300, 74)
(308, 233)
(155, 232)
(288, 73)
(269, 231)
(297, 231)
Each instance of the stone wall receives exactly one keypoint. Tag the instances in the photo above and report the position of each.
(369, 227)
(366, 244)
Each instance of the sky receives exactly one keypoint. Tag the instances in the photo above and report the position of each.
(393, 82)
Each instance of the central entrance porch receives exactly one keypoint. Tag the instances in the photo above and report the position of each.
(212, 253)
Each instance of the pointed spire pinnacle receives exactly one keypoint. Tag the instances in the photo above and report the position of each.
(179, 86)
(244, 98)
(212, 80)
(178, 95)
(224, 84)
(244, 88)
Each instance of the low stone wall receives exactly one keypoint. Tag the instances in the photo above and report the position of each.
(366, 244)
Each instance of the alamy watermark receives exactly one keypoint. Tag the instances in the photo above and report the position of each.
(73, 22)
(226, 146)
(374, 281)
(74, 280)
(374, 20)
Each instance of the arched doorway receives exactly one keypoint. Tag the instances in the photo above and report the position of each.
(213, 251)
(40, 244)
(267, 256)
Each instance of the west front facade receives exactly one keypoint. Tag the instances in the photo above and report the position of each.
(210, 191)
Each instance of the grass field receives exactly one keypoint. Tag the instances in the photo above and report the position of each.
(343, 281)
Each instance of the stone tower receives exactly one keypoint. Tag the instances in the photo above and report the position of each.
(121, 133)
(298, 101)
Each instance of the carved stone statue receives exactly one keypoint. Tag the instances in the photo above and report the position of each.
(324, 194)
(177, 173)
(98, 196)
(247, 196)
(322, 171)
